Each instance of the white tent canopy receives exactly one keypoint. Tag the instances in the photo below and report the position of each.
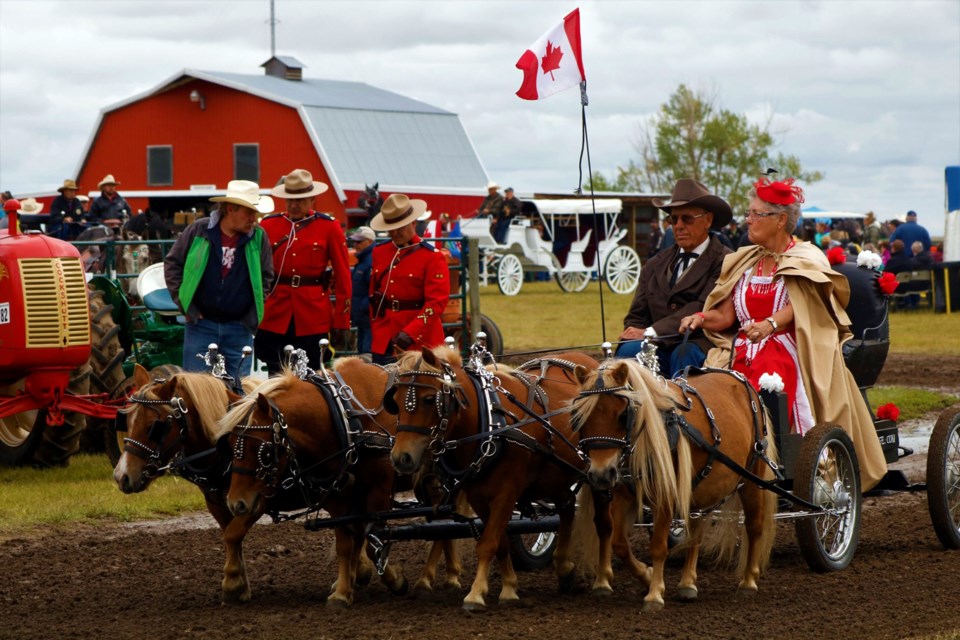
(817, 212)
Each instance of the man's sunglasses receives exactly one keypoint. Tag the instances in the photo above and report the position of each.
(686, 218)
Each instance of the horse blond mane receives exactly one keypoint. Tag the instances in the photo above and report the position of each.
(208, 395)
(238, 412)
(652, 461)
(413, 361)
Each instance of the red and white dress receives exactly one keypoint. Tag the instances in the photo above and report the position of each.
(755, 298)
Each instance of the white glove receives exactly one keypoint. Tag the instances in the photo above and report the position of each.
(649, 332)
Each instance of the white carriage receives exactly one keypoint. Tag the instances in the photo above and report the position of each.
(562, 222)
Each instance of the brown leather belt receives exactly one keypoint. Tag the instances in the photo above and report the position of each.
(302, 281)
(392, 305)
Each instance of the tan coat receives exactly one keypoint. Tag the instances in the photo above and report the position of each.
(818, 295)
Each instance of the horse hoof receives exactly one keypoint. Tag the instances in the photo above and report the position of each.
(474, 607)
(452, 583)
(565, 583)
(509, 602)
(337, 603)
(652, 606)
(746, 594)
(363, 578)
(602, 592)
(687, 594)
(235, 597)
(401, 588)
(422, 586)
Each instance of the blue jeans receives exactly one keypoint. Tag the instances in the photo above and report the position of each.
(230, 337)
(672, 360)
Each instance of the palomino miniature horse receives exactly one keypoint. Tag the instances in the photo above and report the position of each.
(620, 410)
(178, 416)
(437, 404)
(345, 475)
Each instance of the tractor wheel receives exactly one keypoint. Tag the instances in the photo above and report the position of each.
(19, 433)
(106, 365)
(57, 444)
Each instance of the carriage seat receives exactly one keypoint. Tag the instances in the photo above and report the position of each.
(865, 353)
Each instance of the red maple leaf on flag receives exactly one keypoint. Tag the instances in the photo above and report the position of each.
(551, 60)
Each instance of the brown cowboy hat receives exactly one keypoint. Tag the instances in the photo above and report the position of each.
(397, 210)
(68, 184)
(298, 183)
(689, 192)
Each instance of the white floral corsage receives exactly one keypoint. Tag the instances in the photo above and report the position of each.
(869, 260)
(771, 382)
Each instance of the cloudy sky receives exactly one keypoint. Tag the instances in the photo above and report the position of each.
(866, 91)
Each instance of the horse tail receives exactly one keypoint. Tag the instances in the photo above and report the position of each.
(684, 480)
(584, 540)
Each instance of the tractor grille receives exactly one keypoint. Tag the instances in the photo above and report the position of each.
(55, 300)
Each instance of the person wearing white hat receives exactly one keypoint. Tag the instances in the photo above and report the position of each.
(65, 208)
(109, 207)
(409, 283)
(218, 272)
(310, 256)
(492, 205)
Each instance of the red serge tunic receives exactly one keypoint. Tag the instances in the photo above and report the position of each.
(409, 289)
(756, 298)
(301, 253)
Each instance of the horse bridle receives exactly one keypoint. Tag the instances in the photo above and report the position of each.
(450, 398)
(268, 457)
(625, 444)
(157, 434)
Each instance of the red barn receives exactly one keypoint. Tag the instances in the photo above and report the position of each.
(179, 143)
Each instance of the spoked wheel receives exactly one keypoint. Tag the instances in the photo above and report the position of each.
(572, 281)
(943, 478)
(532, 551)
(510, 275)
(828, 475)
(622, 269)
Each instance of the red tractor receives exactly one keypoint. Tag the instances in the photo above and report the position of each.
(45, 336)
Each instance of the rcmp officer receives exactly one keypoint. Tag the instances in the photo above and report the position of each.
(304, 242)
(409, 283)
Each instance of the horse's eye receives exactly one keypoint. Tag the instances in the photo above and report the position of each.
(430, 399)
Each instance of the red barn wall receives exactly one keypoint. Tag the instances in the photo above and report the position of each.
(202, 141)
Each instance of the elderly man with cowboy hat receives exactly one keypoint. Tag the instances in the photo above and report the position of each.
(109, 207)
(218, 272)
(675, 282)
(66, 207)
(492, 205)
(409, 283)
(304, 244)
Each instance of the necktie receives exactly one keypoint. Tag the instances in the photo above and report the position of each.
(683, 261)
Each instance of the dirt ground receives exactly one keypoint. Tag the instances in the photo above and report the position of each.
(163, 582)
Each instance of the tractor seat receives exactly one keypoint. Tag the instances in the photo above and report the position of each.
(152, 287)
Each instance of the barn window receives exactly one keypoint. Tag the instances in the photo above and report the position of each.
(246, 162)
(160, 166)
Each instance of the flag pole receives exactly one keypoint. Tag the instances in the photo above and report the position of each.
(585, 146)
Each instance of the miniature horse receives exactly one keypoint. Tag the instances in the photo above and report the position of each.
(620, 414)
(286, 438)
(445, 410)
(176, 419)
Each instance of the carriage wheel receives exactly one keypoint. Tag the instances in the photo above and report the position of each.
(532, 551)
(827, 474)
(943, 478)
(510, 275)
(622, 269)
(572, 281)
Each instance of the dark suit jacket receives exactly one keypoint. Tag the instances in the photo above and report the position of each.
(656, 305)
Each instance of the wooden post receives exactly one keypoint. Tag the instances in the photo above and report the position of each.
(473, 253)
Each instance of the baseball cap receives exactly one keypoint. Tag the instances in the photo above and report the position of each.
(363, 233)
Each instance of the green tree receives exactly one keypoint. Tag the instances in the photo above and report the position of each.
(692, 137)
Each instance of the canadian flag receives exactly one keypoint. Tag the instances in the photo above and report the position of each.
(554, 62)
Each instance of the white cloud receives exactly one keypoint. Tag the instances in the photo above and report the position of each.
(867, 92)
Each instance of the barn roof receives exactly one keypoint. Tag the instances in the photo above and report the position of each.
(363, 134)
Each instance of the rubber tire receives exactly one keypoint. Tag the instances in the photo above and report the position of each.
(532, 551)
(106, 376)
(944, 484)
(494, 336)
(57, 444)
(22, 453)
(809, 537)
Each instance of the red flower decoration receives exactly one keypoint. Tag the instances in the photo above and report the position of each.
(837, 255)
(888, 411)
(887, 282)
(778, 192)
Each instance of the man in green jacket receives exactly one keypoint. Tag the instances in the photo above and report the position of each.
(217, 272)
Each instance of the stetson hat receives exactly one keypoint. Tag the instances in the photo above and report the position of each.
(108, 179)
(397, 210)
(298, 183)
(492, 185)
(30, 206)
(246, 194)
(425, 216)
(68, 184)
(689, 192)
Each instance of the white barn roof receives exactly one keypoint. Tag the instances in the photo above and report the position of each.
(361, 133)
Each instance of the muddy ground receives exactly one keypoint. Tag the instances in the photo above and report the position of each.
(123, 581)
